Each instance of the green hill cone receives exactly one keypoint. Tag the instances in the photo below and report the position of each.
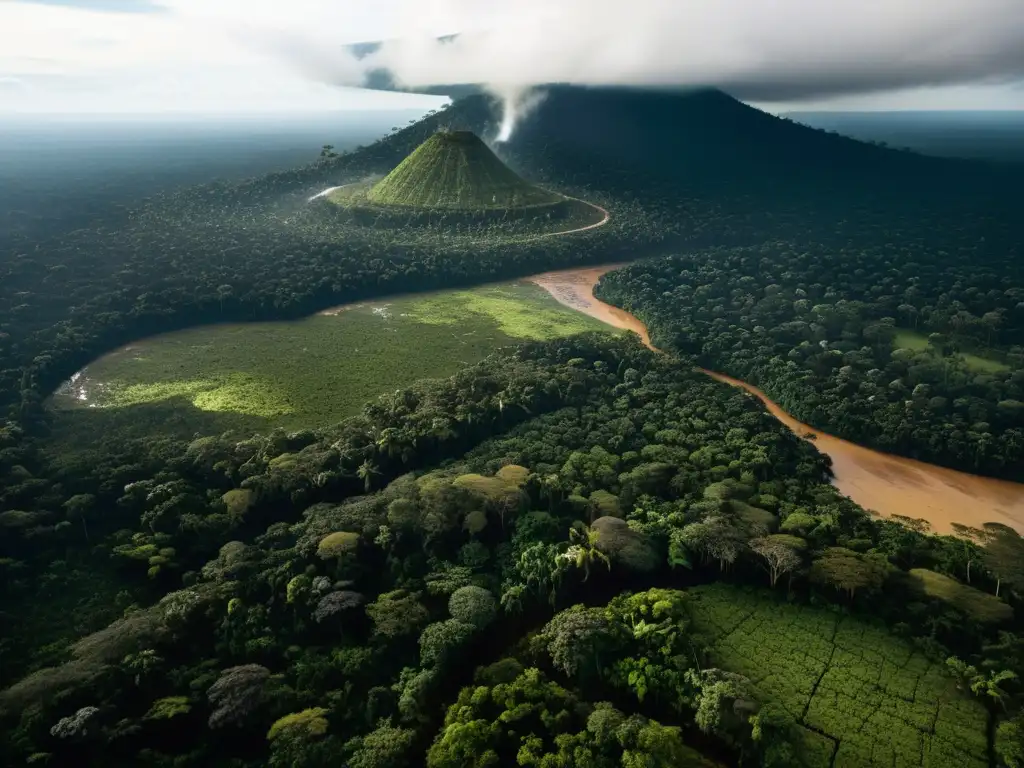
(455, 170)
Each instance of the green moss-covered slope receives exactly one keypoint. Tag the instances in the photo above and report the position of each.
(456, 170)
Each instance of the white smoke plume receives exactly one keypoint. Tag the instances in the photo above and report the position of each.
(517, 102)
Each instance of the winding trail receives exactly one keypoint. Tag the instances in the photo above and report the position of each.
(605, 217)
(879, 482)
(328, 191)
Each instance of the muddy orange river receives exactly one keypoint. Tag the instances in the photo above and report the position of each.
(879, 482)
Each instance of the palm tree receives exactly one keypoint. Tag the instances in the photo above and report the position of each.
(389, 441)
(366, 472)
(583, 551)
(985, 686)
(989, 686)
(441, 429)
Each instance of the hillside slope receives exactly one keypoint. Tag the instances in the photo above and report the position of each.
(649, 144)
(707, 139)
(456, 170)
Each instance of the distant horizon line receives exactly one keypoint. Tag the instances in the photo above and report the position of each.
(279, 114)
(1004, 110)
(291, 115)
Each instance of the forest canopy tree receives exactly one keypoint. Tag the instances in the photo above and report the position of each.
(1003, 554)
(397, 613)
(338, 544)
(473, 605)
(781, 553)
(849, 571)
(237, 693)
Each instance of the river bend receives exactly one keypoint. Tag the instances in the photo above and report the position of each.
(881, 483)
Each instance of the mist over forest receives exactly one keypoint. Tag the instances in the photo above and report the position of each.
(57, 169)
(995, 135)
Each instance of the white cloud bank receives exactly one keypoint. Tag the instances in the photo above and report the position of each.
(273, 55)
(182, 59)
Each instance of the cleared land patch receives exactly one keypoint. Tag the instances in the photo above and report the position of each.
(907, 339)
(860, 694)
(305, 373)
(983, 364)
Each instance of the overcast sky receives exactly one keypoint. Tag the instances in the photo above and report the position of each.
(142, 56)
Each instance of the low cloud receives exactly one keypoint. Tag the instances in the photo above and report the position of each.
(786, 50)
(293, 51)
(111, 6)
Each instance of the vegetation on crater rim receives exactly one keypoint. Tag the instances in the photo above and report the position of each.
(456, 170)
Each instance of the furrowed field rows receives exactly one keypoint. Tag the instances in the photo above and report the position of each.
(862, 696)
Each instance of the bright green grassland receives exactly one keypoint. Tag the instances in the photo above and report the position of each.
(983, 364)
(858, 692)
(305, 373)
(907, 339)
(456, 170)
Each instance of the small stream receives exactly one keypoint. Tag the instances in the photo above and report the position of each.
(879, 482)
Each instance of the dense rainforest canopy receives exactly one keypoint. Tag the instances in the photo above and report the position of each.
(575, 553)
(921, 356)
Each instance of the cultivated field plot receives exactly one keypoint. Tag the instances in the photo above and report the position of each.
(864, 697)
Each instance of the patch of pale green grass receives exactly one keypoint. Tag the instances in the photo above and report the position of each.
(514, 309)
(310, 372)
(979, 605)
(983, 364)
(907, 339)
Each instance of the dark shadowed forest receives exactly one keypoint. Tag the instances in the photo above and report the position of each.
(996, 136)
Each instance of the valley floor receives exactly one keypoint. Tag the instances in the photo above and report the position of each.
(303, 374)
